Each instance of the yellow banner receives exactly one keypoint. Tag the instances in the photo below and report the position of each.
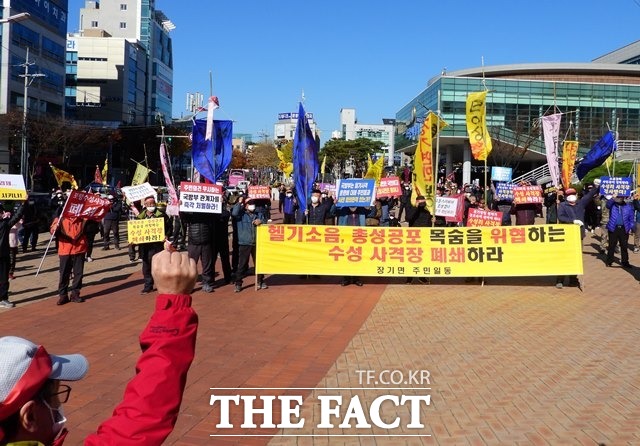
(105, 170)
(569, 153)
(140, 176)
(146, 230)
(62, 176)
(419, 252)
(479, 137)
(285, 166)
(424, 178)
(12, 187)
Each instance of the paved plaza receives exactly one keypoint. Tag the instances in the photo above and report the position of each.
(513, 362)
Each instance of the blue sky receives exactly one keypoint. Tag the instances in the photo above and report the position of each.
(374, 56)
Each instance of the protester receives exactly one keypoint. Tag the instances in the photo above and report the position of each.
(32, 396)
(30, 226)
(317, 211)
(111, 223)
(604, 221)
(72, 248)
(220, 242)
(289, 206)
(200, 244)
(418, 216)
(621, 224)
(327, 200)
(148, 250)
(351, 216)
(14, 243)
(551, 204)
(404, 199)
(247, 219)
(132, 214)
(282, 192)
(7, 221)
(636, 232)
(571, 211)
(375, 213)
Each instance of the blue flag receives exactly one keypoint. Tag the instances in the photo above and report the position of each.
(211, 158)
(305, 159)
(597, 155)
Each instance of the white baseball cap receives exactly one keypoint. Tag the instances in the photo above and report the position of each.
(25, 367)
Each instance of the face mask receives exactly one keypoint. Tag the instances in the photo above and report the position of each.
(57, 417)
(251, 207)
(289, 195)
(324, 195)
(314, 199)
(353, 209)
(608, 197)
(151, 208)
(407, 188)
(422, 205)
(572, 198)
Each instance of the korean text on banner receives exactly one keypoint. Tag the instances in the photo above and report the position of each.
(355, 192)
(12, 187)
(620, 186)
(146, 230)
(389, 187)
(200, 197)
(551, 131)
(431, 252)
(483, 217)
(504, 191)
(83, 205)
(527, 194)
(259, 192)
(479, 137)
(139, 192)
(446, 206)
(569, 153)
(501, 173)
(423, 178)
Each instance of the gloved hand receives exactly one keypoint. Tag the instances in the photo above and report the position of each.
(578, 222)
(596, 182)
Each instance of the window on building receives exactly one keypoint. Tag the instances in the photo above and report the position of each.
(123, 25)
(123, 7)
(94, 24)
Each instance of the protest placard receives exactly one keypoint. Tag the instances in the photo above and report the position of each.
(12, 187)
(355, 192)
(146, 230)
(389, 187)
(139, 192)
(620, 186)
(527, 194)
(200, 197)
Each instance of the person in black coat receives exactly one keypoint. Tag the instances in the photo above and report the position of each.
(111, 223)
(6, 223)
(200, 244)
(221, 242)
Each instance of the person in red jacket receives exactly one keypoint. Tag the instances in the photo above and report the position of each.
(72, 247)
(32, 396)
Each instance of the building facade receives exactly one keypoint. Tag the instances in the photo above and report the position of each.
(141, 31)
(285, 128)
(32, 60)
(350, 129)
(594, 97)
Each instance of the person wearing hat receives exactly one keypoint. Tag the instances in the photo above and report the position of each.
(571, 211)
(621, 224)
(148, 250)
(111, 223)
(7, 221)
(32, 394)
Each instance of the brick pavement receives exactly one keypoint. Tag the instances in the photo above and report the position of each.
(513, 362)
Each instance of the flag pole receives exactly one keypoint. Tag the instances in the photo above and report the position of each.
(437, 163)
(53, 235)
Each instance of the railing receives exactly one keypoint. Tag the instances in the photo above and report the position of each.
(538, 174)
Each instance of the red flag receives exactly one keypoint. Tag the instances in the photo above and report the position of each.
(97, 177)
(83, 205)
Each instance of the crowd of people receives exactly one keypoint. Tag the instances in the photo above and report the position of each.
(206, 236)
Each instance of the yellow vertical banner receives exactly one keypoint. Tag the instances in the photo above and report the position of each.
(476, 115)
(424, 178)
(569, 153)
(140, 176)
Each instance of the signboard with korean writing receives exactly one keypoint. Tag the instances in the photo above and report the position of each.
(414, 252)
(146, 230)
(138, 192)
(620, 186)
(527, 194)
(259, 192)
(83, 205)
(328, 187)
(504, 191)
(501, 173)
(483, 217)
(12, 187)
(200, 197)
(355, 192)
(446, 206)
(389, 187)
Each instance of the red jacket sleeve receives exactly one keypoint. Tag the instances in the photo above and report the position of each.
(151, 402)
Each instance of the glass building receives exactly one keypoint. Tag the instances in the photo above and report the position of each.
(593, 97)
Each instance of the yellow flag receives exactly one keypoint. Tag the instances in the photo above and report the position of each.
(479, 137)
(608, 161)
(285, 166)
(374, 170)
(569, 152)
(62, 176)
(324, 165)
(105, 169)
(423, 178)
(140, 176)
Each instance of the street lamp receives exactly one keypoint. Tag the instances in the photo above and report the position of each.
(16, 18)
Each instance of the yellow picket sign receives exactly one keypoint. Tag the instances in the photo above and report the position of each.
(148, 230)
(538, 250)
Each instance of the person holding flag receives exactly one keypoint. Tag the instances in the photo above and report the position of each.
(72, 248)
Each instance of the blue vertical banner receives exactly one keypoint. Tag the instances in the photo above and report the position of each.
(212, 158)
(305, 159)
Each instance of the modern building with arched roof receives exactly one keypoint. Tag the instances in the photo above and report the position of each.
(593, 97)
